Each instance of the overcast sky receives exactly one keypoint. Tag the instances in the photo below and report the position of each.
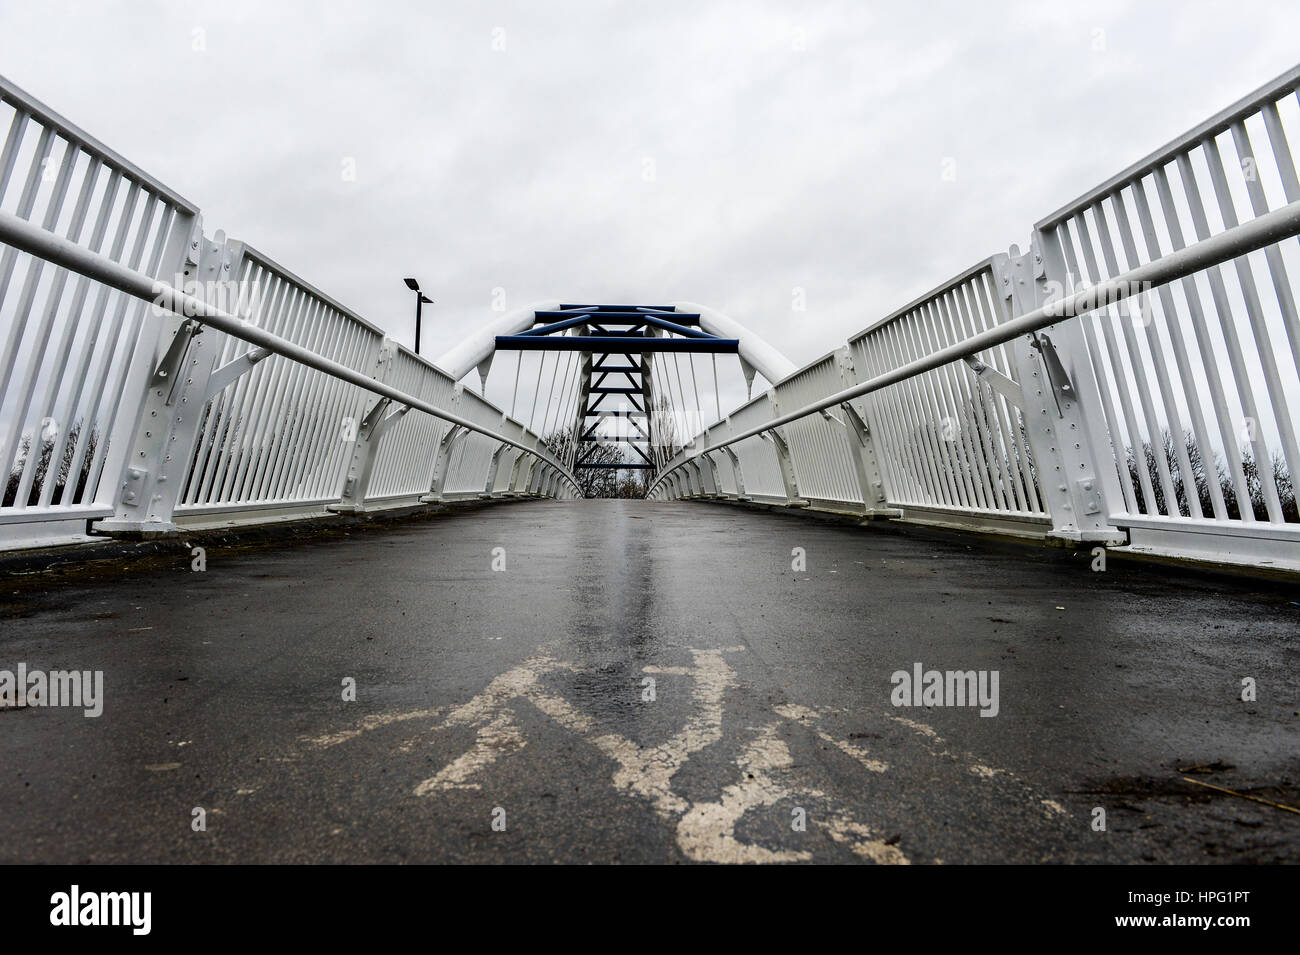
(719, 153)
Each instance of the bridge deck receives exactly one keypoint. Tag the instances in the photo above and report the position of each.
(522, 689)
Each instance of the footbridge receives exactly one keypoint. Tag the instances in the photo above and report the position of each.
(1065, 475)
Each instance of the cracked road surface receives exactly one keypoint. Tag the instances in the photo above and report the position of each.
(649, 682)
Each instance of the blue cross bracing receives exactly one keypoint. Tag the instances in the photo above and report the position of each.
(625, 333)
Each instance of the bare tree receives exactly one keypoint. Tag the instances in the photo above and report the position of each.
(600, 481)
(65, 470)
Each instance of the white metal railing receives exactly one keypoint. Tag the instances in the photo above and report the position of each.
(1133, 377)
(404, 468)
(274, 438)
(473, 456)
(819, 448)
(758, 457)
(947, 438)
(152, 376)
(1200, 381)
(73, 353)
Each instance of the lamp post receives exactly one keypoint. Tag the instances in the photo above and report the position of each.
(420, 301)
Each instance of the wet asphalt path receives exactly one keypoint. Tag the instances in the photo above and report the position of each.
(521, 696)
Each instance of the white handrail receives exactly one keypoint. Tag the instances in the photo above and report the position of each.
(1262, 231)
(26, 237)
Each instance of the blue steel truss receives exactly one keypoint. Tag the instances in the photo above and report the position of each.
(616, 340)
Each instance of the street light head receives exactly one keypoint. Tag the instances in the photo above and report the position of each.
(426, 300)
(413, 285)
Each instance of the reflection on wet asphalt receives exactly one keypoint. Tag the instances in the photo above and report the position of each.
(653, 683)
